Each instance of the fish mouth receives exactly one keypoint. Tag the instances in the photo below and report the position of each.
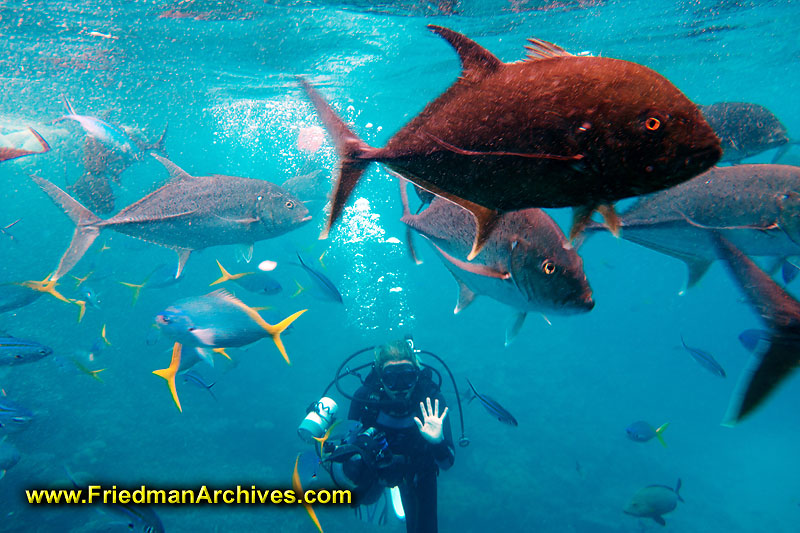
(305, 218)
(705, 158)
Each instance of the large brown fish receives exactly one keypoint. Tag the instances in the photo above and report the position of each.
(756, 207)
(188, 213)
(554, 130)
(13, 153)
(527, 262)
(746, 130)
(781, 312)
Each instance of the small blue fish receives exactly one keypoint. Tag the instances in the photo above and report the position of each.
(15, 351)
(109, 136)
(9, 456)
(193, 378)
(258, 281)
(89, 296)
(751, 337)
(705, 360)
(13, 417)
(326, 289)
(641, 431)
(494, 408)
(161, 277)
(4, 230)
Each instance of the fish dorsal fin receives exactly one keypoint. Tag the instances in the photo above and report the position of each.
(539, 49)
(476, 61)
(465, 296)
(175, 172)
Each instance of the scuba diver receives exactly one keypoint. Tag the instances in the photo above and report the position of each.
(399, 437)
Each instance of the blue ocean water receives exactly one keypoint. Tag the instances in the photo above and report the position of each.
(222, 75)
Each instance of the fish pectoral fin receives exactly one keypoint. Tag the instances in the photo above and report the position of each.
(473, 268)
(410, 244)
(696, 269)
(659, 520)
(476, 61)
(465, 296)
(514, 327)
(183, 256)
(206, 355)
(610, 218)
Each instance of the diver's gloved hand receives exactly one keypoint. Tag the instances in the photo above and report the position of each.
(431, 428)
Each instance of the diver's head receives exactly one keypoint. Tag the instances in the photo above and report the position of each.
(398, 368)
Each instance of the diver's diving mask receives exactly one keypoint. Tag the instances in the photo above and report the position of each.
(399, 377)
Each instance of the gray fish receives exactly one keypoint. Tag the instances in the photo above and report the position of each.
(781, 313)
(139, 518)
(704, 359)
(494, 408)
(756, 207)
(325, 287)
(9, 456)
(13, 417)
(527, 262)
(188, 213)
(15, 351)
(654, 501)
(745, 130)
(14, 296)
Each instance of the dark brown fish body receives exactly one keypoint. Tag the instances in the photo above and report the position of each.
(527, 262)
(189, 213)
(753, 206)
(744, 129)
(554, 130)
(13, 153)
(781, 312)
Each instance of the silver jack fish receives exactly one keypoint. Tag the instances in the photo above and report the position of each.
(753, 206)
(188, 213)
(527, 262)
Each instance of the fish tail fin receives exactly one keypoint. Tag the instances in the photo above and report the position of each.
(170, 372)
(353, 153)
(137, 290)
(299, 290)
(86, 229)
(103, 336)
(276, 330)
(226, 276)
(321, 262)
(82, 305)
(95, 374)
(659, 431)
(298, 489)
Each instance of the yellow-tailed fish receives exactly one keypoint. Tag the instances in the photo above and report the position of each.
(170, 372)
(227, 276)
(298, 490)
(219, 320)
(103, 335)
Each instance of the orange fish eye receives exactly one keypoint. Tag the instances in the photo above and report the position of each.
(289, 204)
(548, 267)
(652, 123)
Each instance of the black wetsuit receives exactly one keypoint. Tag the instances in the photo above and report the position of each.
(416, 461)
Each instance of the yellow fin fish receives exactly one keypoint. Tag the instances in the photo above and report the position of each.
(298, 490)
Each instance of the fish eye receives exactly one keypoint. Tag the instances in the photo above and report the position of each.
(289, 204)
(548, 267)
(652, 123)
(18, 356)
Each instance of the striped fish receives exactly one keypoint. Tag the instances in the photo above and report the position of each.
(15, 351)
(705, 359)
(494, 408)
